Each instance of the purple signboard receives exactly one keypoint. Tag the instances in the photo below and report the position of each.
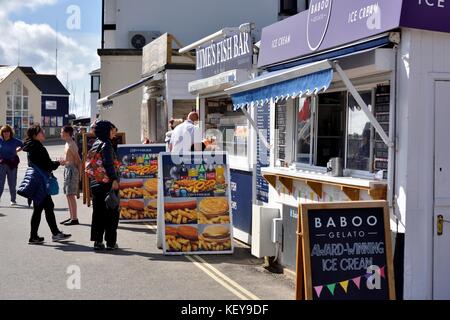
(332, 23)
(432, 15)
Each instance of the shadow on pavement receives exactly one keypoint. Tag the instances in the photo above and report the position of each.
(22, 207)
(70, 246)
(241, 256)
(2, 215)
(143, 230)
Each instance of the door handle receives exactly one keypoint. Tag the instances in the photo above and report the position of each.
(440, 224)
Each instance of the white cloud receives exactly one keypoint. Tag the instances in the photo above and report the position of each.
(37, 48)
(8, 6)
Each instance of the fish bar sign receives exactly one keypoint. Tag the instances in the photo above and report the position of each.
(345, 252)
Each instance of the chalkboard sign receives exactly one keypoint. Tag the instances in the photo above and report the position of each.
(346, 250)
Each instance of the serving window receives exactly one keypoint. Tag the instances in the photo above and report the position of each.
(332, 125)
(226, 129)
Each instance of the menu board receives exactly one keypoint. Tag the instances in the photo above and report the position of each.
(280, 125)
(263, 153)
(195, 203)
(139, 181)
(382, 114)
(347, 251)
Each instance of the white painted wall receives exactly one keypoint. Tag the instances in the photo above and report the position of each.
(94, 108)
(118, 72)
(177, 87)
(187, 20)
(421, 53)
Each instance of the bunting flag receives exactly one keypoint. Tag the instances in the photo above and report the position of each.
(357, 281)
(344, 285)
(332, 287)
(318, 290)
(382, 272)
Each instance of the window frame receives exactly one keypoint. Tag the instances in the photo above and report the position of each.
(372, 87)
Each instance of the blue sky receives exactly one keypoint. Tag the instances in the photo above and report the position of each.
(33, 24)
(91, 16)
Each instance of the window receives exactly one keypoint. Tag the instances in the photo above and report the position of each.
(51, 105)
(227, 129)
(333, 125)
(60, 122)
(181, 108)
(288, 7)
(9, 103)
(95, 84)
(330, 127)
(359, 135)
(17, 107)
(304, 131)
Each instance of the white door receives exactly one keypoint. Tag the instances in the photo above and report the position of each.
(441, 281)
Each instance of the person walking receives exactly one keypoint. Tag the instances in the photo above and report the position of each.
(39, 161)
(71, 174)
(9, 161)
(105, 220)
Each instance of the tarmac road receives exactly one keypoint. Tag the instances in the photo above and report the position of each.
(138, 270)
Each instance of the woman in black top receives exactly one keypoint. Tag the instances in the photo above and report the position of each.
(104, 220)
(38, 157)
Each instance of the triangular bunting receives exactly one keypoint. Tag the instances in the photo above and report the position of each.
(331, 287)
(382, 272)
(344, 285)
(318, 290)
(357, 281)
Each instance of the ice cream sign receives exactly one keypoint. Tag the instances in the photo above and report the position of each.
(318, 20)
(329, 24)
(432, 3)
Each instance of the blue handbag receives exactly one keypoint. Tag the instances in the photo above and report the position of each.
(50, 181)
(52, 186)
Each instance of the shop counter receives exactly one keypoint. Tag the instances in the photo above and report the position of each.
(352, 187)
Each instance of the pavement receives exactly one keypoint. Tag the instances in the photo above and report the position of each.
(73, 271)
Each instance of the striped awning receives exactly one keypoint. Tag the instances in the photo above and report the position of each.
(285, 84)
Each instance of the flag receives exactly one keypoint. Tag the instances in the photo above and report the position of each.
(357, 281)
(344, 285)
(331, 287)
(318, 290)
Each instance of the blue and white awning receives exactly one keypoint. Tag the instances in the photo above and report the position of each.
(285, 84)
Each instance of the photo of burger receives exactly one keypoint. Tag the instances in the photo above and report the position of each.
(215, 238)
(181, 239)
(214, 210)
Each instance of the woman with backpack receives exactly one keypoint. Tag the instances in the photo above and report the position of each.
(35, 184)
(101, 168)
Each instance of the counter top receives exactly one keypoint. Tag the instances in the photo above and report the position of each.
(351, 186)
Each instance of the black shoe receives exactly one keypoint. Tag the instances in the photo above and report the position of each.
(61, 237)
(38, 240)
(99, 246)
(112, 248)
(65, 221)
(71, 223)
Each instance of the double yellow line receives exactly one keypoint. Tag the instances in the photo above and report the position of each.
(218, 276)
